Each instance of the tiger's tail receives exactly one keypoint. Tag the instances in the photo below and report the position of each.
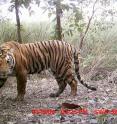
(76, 62)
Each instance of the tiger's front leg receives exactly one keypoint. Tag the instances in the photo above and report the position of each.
(21, 85)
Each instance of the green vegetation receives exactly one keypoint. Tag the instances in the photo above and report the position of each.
(30, 32)
(99, 48)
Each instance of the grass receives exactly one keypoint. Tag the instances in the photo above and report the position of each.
(29, 32)
(100, 44)
(7, 31)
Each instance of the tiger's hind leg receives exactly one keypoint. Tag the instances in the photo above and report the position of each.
(62, 84)
(73, 84)
(70, 79)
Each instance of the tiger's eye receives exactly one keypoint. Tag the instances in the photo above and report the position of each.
(8, 61)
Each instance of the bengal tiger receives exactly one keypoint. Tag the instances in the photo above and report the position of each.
(30, 58)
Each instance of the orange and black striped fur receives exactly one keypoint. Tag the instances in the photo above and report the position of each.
(32, 58)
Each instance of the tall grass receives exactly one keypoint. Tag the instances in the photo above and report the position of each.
(100, 44)
(30, 32)
(7, 31)
(36, 32)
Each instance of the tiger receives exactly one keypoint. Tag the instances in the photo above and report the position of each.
(30, 58)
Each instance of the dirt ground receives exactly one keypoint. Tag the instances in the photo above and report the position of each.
(37, 97)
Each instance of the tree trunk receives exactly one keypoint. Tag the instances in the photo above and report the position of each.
(18, 21)
(58, 20)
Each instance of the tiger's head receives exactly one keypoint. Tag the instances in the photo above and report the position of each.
(7, 63)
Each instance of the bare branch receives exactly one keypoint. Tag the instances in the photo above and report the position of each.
(88, 25)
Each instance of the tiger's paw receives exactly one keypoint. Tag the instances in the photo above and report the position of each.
(73, 94)
(54, 95)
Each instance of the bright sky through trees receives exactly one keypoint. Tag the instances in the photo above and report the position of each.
(38, 14)
(24, 15)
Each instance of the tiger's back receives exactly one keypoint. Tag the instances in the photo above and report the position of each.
(46, 54)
